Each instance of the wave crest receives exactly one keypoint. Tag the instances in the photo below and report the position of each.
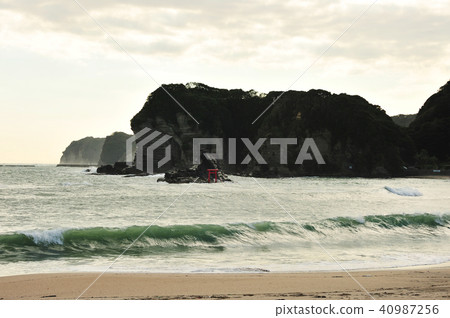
(95, 241)
(409, 192)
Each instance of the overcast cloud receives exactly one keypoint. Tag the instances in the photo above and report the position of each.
(231, 30)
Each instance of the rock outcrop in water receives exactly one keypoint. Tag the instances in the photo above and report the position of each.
(85, 151)
(198, 173)
(120, 168)
(354, 137)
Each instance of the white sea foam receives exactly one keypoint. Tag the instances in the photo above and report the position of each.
(68, 184)
(360, 219)
(46, 236)
(409, 192)
(158, 175)
(251, 225)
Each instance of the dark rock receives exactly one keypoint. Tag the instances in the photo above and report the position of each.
(121, 168)
(107, 169)
(347, 130)
(198, 174)
(132, 170)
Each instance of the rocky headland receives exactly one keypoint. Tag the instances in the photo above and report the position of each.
(83, 152)
(354, 137)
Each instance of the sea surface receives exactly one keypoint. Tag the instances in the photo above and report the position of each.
(65, 220)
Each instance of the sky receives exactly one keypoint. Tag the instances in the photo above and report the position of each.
(62, 78)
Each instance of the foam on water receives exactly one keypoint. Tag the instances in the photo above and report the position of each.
(409, 192)
(156, 176)
(68, 184)
(46, 237)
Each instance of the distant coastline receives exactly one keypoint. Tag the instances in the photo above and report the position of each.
(81, 165)
(17, 165)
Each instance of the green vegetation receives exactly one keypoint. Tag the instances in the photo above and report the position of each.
(403, 120)
(355, 137)
(431, 128)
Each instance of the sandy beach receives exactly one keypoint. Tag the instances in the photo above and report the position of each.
(423, 283)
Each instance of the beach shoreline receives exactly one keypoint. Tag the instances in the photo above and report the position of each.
(431, 282)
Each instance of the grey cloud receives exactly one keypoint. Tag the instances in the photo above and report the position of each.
(158, 46)
(240, 30)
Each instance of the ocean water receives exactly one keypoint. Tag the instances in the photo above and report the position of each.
(65, 220)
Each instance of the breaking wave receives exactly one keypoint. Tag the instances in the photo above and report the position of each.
(404, 191)
(100, 241)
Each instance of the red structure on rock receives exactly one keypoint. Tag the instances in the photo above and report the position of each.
(214, 171)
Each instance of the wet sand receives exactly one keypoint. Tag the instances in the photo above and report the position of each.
(420, 283)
